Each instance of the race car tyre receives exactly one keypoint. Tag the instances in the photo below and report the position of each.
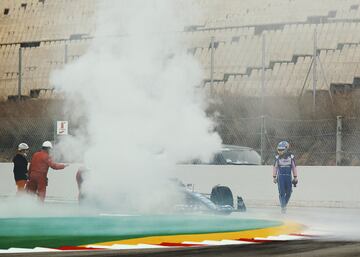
(222, 195)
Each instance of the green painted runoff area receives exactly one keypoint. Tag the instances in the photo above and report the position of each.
(54, 232)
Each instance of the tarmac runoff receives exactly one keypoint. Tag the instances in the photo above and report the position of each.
(124, 232)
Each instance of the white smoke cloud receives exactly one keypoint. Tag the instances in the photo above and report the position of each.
(137, 88)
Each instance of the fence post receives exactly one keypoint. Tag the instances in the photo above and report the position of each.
(314, 73)
(262, 139)
(338, 140)
(212, 62)
(66, 53)
(20, 74)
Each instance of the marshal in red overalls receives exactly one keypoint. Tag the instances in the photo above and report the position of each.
(38, 170)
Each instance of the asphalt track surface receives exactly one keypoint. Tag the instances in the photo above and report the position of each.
(298, 248)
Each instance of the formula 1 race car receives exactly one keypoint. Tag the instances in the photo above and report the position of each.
(219, 201)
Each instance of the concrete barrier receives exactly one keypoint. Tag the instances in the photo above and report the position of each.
(61, 185)
(321, 186)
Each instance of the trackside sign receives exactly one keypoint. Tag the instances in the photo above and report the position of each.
(62, 127)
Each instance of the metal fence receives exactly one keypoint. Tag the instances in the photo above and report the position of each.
(33, 131)
(314, 142)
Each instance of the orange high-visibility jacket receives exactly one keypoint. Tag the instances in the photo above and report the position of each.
(41, 162)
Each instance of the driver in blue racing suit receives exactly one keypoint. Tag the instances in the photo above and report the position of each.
(284, 173)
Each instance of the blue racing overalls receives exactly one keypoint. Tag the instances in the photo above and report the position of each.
(284, 165)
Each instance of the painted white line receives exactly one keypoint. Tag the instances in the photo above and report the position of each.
(43, 249)
(192, 243)
(125, 246)
(98, 246)
(151, 246)
(237, 242)
(211, 242)
(28, 250)
(280, 238)
(214, 242)
(19, 250)
(120, 246)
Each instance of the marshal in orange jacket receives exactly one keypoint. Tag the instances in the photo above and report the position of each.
(38, 170)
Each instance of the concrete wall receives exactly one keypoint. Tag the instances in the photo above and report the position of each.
(326, 186)
(61, 185)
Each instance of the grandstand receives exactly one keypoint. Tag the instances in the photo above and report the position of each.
(51, 26)
(64, 28)
(51, 33)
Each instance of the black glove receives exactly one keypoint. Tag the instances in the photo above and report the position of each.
(274, 179)
(294, 181)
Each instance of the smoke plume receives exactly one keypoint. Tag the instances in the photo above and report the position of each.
(138, 89)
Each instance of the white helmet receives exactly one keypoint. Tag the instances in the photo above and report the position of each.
(23, 146)
(47, 144)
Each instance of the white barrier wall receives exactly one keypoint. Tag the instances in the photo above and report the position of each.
(318, 185)
(328, 186)
(61, 185)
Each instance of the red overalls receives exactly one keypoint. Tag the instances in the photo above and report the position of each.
(38, 170)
